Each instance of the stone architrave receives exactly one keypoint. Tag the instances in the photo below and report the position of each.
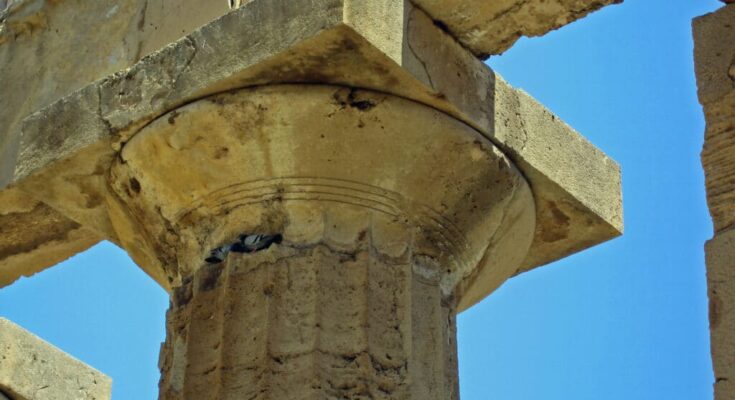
(321, 186)
(31, 369)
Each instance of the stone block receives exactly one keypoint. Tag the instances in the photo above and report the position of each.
(714, 51)
(491, 27)
(34, 236)
(720, 253)
(31, 369)
(390, 47)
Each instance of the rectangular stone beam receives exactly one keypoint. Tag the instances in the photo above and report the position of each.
(386, 45)
(46, 54)
(34, 236)
(714, 52)
(491, 27)
(31, 369)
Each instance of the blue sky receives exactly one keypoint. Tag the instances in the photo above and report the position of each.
(624, 320)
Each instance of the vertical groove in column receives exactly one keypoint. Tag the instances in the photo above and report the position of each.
(202, 377)
(292, 332)
(245, 358)
(389, 349)
(342, 310)
(451, 362)
(318, 373)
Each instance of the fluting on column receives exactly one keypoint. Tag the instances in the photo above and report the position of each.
(318, 240)
(313, 322)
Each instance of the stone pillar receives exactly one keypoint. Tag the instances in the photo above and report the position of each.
(392, 206)
(375, 212)
(364, 320)
(714, 51)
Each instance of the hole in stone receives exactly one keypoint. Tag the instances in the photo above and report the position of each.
(135, 185)
(246, 243)
(441, 25)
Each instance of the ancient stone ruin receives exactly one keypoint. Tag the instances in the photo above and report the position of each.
(714, 53)
(320, 185)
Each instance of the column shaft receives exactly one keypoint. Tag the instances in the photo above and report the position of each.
(310, 323)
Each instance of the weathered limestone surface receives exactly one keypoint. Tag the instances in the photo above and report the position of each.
(714, 37)
(313, 322)
(576, 187)
(491, 27)
(721, 281)
(398, 179)
(34, 236)
(714, 51)
(379, 248)
(46, 53)
(278, 153)
(31, 369)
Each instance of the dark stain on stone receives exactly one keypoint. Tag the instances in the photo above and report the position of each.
(559, 216)
(221, 153)
(135, 185)
(352, 100)
(25, 232)
(362, 105)
(172, 117)
(209, 277)
(441, 25)
(555, 225)
(268, 289)
(182, 295)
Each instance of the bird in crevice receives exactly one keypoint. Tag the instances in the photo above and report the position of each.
(245, 244)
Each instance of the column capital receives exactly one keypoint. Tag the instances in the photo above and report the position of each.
(67, 148)
(316, 164)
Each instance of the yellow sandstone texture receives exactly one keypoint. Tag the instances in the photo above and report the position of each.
(379, 247)
(341, 177)
(328, 42)
(714, 39)
(31, 369)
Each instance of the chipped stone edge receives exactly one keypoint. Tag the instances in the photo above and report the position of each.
(488, 86)
(17, 345)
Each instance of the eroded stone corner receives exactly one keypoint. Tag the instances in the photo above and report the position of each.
(32, 369)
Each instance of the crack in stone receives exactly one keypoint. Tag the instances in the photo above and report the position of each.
(420, 60)
(100, 114)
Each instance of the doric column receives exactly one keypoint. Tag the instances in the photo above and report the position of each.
(317, 239)
(316, 321)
